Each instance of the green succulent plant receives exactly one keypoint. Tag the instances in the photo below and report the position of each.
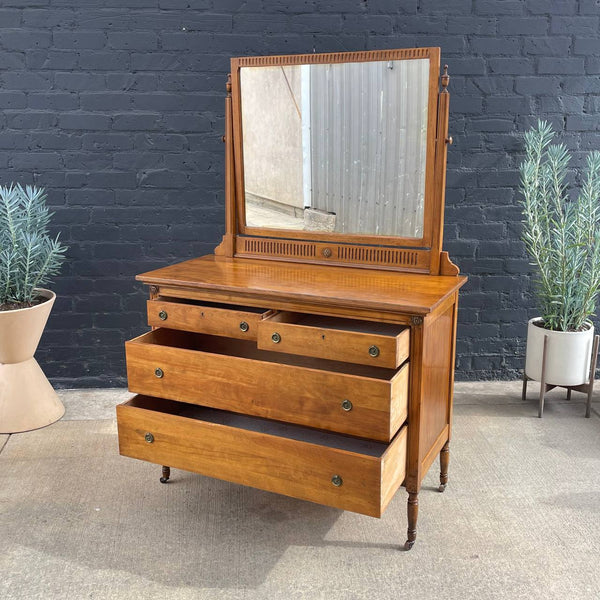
(561, 235)
(29, 257)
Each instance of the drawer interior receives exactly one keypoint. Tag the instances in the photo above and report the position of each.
(247, 349)
(249, 309)
(338, 323)
(257, 424)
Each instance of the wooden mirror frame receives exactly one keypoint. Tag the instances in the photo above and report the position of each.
(422, 255)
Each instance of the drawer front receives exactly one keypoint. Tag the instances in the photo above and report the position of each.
(335, 401)
(328, 475)
(384, 346)
(239, 322)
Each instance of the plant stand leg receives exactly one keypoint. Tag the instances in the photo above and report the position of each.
(166, 473)
(524, 392)
(413, 513)
(569, 394)
(444, 461)
(543, 381)
(590, 386)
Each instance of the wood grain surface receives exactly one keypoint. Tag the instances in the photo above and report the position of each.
(233, 375)
(235, 322)
(270, 462)
(320, 285)
(335, 339)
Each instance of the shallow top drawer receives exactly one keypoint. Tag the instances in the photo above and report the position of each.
(227, 320)
(349, 340)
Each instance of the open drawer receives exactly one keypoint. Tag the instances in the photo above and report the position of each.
(234, 375)
(330, 469)
(363, 342)
(206, 317)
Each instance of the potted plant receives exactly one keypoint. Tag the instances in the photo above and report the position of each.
(29, 257)
(561, 233)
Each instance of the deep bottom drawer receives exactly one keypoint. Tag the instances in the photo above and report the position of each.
(336, 470)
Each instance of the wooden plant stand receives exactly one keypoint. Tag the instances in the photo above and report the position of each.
(586, 388)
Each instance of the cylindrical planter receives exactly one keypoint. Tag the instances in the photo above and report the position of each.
(568, 354)
(27, 400)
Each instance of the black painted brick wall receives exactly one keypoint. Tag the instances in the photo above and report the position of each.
(116, 107)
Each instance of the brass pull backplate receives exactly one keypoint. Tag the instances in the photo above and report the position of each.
(346, 405)
(244, 326)
(162, 315)
(337, 480)
(276, 338)
(374, 351)
(149, 438)
(159, 373)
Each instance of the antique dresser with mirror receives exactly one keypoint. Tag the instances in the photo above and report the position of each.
(312, 354)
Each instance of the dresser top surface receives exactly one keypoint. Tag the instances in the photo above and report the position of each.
(316, 284)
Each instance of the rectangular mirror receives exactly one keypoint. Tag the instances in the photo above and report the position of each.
(338, 158)
(337, 147)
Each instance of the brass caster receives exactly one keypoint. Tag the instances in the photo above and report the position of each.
(408, 545)
(442, 487)
(166, 473)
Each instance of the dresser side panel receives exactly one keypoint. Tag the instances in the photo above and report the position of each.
(438, 342)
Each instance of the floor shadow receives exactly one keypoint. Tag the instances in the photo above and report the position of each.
(108, 512)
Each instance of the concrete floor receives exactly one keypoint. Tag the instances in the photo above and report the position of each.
(520, 517)
(265, 216)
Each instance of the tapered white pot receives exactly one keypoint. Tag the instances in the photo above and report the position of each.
(27, 400)
(568, 354)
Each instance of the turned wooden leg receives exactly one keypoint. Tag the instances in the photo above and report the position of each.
(444, 461)
(524, 392)
(166, 473)
(413, 513)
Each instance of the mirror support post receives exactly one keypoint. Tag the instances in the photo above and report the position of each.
(441, 150)
(227, 246)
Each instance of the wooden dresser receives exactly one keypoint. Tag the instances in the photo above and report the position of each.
(295, 366)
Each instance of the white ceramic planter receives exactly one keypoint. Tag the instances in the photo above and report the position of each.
(568, 354)
(27, 400)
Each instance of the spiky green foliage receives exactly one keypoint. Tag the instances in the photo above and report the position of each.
(562, 237)
(29, 257)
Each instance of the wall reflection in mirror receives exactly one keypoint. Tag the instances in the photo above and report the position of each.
(336, 147)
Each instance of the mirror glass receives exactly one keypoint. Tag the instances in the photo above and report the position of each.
(336, 147)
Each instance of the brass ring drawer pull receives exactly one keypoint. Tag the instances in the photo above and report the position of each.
(276, 338)
(337, 480)
(244, 326)
(162, 315)
(149, 438)
(374, 351)
(346, 405)
(159, 373)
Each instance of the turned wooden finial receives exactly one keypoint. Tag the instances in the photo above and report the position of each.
(228, 84)
(445, 80)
